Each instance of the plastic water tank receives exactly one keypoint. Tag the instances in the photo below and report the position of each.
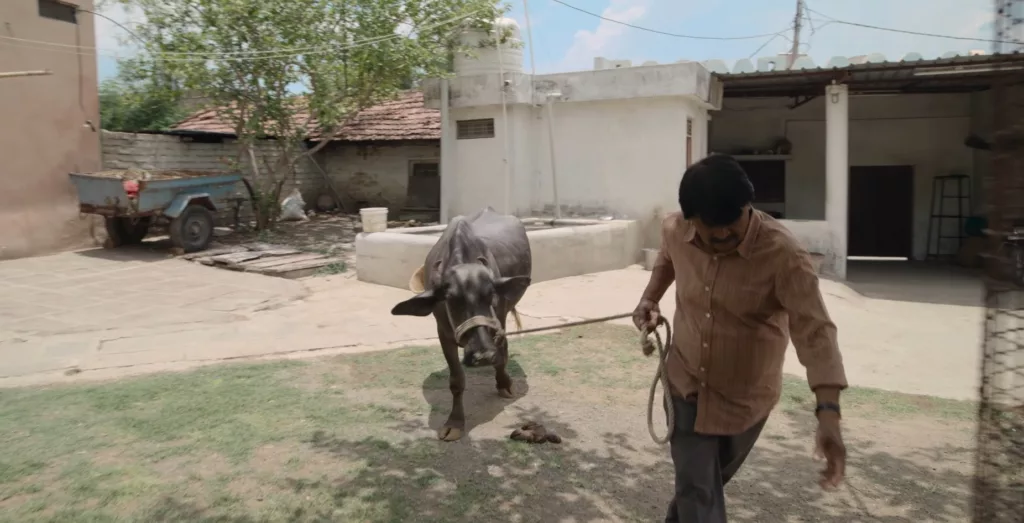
(486, 59)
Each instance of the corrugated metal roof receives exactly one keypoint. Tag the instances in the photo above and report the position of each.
(872, 73)
(770, 66)
(405, 118)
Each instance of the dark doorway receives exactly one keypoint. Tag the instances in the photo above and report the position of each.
(881, 212)
(424, 189)
(768, 178)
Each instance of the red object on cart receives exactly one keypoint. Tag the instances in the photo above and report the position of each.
(132, 188)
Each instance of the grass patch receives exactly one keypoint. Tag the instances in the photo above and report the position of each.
(331, 269)
(329, 440)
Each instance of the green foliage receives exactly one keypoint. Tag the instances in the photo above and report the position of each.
(132, 106)
(246, 57)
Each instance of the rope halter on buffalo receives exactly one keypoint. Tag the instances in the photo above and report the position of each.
(491, 322)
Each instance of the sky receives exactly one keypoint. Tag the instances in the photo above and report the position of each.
(568, 40)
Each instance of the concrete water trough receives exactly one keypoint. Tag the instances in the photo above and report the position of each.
(561, 248)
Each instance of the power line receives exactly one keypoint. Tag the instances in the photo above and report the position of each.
(294, 50)
(770, 40)
(205, 57)
(831, 20)
(676, 35)
(111, 20)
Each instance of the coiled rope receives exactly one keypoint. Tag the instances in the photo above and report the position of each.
(650, 342)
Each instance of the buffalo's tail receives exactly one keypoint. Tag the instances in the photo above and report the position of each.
(517, 319)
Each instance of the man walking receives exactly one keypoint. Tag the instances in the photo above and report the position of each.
(744, 285)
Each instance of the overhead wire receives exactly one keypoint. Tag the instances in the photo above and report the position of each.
(665, 33)
(828, 20)
(206, 57)
(832, 20)
(765, 44)
(181, 56)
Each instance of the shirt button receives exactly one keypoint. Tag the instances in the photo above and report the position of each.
(705, 346)
(714, 258)
(702, 369)
(707, 288)
(707, 315)
(702, 384)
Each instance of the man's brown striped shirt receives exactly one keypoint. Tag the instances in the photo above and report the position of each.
(734, 316)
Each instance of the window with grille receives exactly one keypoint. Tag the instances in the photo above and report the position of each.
(55, 10)
(470, 129)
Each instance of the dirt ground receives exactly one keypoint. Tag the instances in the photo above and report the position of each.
(331, 234)
(353, 439)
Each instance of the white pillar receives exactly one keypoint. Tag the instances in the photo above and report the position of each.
(446, 158)
(837, 171)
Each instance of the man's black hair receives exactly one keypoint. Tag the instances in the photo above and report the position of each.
(715, 190)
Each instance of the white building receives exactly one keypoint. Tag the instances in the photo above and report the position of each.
(871, 144)
(622, 138)
(851, 155)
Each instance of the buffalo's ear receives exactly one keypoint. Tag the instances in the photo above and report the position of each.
(512, 285)
(420, 305)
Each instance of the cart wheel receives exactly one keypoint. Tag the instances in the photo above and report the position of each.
(192, 230)
(127, 231)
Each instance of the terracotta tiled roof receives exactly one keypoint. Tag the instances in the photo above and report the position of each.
(404, 118)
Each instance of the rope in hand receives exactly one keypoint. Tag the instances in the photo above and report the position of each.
(660, 376)
(649, 347)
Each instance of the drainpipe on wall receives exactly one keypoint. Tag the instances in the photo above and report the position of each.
(446, 156)
(551, 141)
(503, 84)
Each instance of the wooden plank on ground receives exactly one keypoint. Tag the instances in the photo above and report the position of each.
(300, 269)
(283, 251)
(214, 252)
(259, 246)
(265, 263)
(236, 258)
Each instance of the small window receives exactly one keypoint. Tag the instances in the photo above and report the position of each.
(58, 11)
(470, 129)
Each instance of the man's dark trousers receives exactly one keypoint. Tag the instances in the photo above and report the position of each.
(703, 465)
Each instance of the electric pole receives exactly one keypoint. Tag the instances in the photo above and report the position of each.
(797, 23)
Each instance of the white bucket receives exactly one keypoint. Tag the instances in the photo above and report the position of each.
(375, 219)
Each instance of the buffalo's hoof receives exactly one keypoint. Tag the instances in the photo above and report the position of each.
(506, 393)
(449, 434)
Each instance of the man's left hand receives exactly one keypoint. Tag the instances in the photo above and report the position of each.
(829, 446)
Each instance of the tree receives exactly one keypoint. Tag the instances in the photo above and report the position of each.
(246, 57)
(128, 106)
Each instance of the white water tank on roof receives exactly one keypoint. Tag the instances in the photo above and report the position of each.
(483, 56)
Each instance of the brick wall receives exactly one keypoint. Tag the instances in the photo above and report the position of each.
(377, 175)
(157, 151)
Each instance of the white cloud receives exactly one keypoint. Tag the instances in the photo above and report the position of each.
(604, 38)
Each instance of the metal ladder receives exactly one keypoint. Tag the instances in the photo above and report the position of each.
(936, 232)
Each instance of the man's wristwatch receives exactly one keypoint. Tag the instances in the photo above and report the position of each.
(834, 407)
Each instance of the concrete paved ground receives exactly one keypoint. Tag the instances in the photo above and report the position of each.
(103, 314)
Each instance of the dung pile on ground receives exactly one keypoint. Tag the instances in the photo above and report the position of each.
(533, 432)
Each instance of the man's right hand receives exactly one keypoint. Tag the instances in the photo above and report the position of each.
(646, 315)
